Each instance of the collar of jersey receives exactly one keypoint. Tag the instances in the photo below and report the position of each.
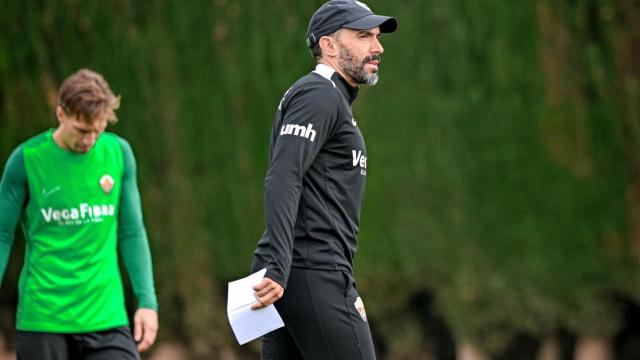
(337, 81)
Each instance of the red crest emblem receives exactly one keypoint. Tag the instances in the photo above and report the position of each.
(359, 305)
(106, 183)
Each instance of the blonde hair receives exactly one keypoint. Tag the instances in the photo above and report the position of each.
(87, 95)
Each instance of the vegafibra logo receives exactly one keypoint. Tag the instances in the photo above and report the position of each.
(82, 214)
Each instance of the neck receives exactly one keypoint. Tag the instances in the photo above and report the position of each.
(57, 138)
(334, 64)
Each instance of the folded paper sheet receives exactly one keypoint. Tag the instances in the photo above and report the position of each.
(250, 324)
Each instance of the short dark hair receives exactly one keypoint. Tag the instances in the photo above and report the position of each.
(316, 52)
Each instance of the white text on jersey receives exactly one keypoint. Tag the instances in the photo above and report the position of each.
(298, 130)
(360, 159)
(79, 215)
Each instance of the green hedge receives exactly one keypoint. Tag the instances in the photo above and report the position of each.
(500, 161)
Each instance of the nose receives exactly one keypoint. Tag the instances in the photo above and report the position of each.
(89, 140)
(376, 47)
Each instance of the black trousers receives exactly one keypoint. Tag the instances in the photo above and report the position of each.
(112, 344)
(322, 321)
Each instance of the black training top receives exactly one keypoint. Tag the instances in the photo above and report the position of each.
(315, 182)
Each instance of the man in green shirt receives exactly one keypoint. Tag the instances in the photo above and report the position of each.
(74, 191)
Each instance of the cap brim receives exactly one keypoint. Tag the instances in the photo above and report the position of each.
(387, 24)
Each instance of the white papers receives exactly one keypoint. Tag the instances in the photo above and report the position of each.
(250, 324)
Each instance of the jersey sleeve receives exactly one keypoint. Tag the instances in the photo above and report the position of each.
(13, 195)
(132, 236)
(308, 117)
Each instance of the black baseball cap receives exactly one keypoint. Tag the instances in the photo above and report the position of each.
(337, 14)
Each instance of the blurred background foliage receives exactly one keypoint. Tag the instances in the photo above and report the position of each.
(502, 210)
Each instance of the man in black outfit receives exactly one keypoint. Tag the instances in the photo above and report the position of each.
(313, 193)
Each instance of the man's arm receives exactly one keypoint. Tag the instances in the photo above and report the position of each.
(13, 194)
(309, 118)
(134, 247)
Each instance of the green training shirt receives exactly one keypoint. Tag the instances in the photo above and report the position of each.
(76, 210)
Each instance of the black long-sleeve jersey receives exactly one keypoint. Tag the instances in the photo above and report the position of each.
(315, 183)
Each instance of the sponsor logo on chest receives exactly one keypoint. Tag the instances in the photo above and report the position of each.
(82, 214)
(359, 159)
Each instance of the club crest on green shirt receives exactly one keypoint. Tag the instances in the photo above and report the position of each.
(106, 182)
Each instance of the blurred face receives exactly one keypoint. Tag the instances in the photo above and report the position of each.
(77, 135)
(359, 55)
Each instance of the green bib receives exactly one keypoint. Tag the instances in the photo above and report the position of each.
(71, 281)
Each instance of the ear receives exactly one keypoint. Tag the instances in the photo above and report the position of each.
(60, 114)
(329, 46)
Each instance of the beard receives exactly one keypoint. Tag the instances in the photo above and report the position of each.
(355, 69)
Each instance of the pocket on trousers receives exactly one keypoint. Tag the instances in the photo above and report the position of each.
(350, 291)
